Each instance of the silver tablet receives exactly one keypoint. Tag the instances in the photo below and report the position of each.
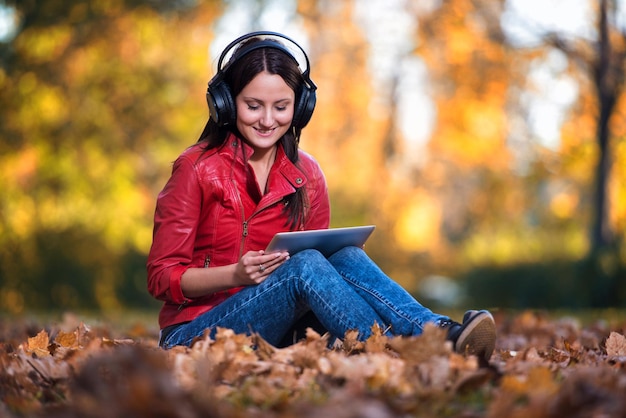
(326, 241)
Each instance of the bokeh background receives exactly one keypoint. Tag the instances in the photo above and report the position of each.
(484, 138)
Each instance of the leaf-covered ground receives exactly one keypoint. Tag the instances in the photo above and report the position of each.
(544, 366)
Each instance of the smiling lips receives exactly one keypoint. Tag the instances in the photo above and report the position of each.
(264, 132)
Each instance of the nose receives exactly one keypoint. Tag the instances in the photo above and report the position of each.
(267, 119)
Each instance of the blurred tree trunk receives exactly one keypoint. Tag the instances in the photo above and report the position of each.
(608, 72)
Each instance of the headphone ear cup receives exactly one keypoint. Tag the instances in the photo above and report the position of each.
(304, 107)
(221, 104)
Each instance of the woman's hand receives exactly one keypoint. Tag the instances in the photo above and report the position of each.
(255, 266)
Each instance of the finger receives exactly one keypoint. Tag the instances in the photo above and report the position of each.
(276, 257)
(263, 268)
(260, 266)
(273, 264)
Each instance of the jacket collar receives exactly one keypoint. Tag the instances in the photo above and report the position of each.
(239, 151)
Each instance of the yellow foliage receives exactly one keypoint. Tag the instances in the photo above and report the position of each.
(418, 222)
(12, 301)
(617, 188)
(44, 44)
(564, 204)
(460, 45)
(513, 244)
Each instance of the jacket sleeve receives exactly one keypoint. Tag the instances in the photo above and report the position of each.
(318, 216)
(175, 224)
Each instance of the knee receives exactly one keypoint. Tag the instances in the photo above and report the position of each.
(309, 262)
(350, 252)
(308, 258)
(303, 267)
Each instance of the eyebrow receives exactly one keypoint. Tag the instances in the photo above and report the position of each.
(286, 99)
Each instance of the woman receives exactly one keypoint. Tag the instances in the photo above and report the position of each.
(246, 180)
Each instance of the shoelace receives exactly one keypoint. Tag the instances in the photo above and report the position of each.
(451, 327)
(446, 323)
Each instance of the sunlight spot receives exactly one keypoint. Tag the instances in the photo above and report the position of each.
(8, 23)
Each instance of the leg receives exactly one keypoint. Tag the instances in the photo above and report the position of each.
(307, 282)
(298, 330)
(476, 335)
(394, 304)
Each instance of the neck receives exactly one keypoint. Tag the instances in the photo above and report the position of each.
(261, 162)
(264, 157)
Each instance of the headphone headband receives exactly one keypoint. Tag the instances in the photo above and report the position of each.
(264, 43)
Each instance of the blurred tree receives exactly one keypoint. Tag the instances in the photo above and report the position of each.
(526, 202)
(97, 98)
(471, 166)
(512, 189)
(603, 61)
(349, 132)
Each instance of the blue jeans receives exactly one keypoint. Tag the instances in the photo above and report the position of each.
(347, 291)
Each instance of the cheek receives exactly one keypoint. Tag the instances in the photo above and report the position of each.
(245, 116)
(285, 118)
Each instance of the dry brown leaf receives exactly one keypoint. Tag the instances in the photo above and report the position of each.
(265, 350)
(67, 339)
(538, 382)
(554, 370)
(377, 341)
(229, 358)
(48, 369)
(307, 353)
(106, 342)
(616, 345)
(436, 374)
(351, 342)
(356, 368)
(38, 344)
(82, 334)
(184, 368)
(422, 348)
(561, 358)
(532, 354)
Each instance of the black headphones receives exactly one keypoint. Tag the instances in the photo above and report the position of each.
(220, 99)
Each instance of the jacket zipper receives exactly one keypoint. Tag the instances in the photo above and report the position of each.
(245, 222)
(244, 233)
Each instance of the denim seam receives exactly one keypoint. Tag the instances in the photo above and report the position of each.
(339, 316)
(393, 308)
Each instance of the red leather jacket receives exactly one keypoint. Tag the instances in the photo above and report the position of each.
(205, 216)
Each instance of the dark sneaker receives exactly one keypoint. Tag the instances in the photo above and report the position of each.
(476, 335)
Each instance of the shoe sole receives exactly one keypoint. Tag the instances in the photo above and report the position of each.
(479, 336)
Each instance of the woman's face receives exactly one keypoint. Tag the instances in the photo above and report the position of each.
(265, 109)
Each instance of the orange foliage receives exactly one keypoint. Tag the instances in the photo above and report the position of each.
(473, 74)
(342, 135)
